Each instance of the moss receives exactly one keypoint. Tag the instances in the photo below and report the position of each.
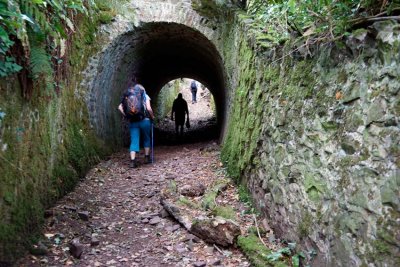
(83, 151)
(329, 125)
(304, 227)
(254, 230)
(245, 127)
(103, 5)
(24, 222)
(106, 17)
(244, 194)
(224, 211)
(33, 178)
(189, 203)
(64, 179)
(314, 186)
(381, 248)
(208, 201)
(256, 252)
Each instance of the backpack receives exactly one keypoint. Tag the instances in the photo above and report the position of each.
(134, 104)
(193, 85)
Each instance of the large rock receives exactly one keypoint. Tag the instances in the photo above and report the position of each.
(176, 213)
(76, 248)
(192, 190)
(217, 230)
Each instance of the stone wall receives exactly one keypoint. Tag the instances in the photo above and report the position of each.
(46, 145)
(316, 140)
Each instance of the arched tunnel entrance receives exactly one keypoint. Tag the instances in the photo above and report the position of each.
(153, 55)
(202, 124)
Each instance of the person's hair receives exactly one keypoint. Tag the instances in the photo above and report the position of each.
(140, 86)
(179, 95)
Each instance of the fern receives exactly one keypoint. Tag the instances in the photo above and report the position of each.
(41, 68)
(40, 62)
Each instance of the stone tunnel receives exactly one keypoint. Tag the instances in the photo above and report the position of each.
(154, 52)
(314, 134)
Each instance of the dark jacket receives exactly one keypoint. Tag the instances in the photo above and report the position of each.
(180, 107)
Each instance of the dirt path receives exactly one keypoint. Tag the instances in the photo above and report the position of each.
(116, 216)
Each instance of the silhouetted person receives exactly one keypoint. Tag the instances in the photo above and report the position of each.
(180, 108)
(193, 89)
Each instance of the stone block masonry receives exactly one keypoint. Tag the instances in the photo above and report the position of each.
(322, 158)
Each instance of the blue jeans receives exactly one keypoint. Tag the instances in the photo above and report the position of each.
(140, 127)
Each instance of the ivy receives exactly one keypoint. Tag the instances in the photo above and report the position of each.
(7, 66)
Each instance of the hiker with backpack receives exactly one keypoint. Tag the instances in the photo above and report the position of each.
(136, 108)
(193, 89)
(180, 108)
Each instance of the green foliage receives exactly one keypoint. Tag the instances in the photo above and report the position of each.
(296, 259)
(244, 195)
(254, 250)
(103, 5)
(258, 254)
(8, 66)
(324, 20)
(106, 17)
(49, 18)
(279, 254)
(40, 62)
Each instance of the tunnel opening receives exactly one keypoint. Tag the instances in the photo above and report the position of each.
(202, 114)
(154, 54)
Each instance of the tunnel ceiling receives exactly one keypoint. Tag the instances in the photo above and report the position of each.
(165, 51)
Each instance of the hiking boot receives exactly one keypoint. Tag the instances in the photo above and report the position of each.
(147, 159)
(133, 163)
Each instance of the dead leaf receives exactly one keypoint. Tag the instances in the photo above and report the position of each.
(339, 95)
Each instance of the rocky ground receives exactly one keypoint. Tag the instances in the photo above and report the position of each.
(114, 216)
(118, 216)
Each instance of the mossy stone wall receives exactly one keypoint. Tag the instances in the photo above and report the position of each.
(315, 138)
(46, 146)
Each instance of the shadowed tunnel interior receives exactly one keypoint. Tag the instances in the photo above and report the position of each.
(153, 55)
